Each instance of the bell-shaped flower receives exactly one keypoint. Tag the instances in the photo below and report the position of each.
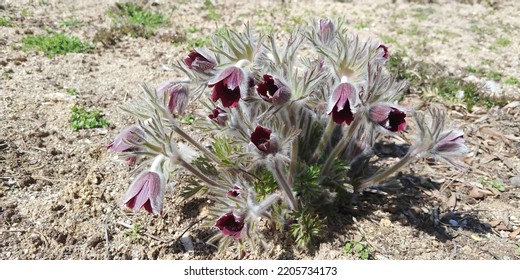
(230, 224)
(219, 116)
(388, 117)
(325, 31)
(127, 140)
(264, 141)
(273, 90)
(177, 95)
(146, 191)
(227, 87)
(341, 103)
(450, 146)
(199, 61)
(234, 192)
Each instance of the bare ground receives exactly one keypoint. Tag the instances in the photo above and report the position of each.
(60, 190)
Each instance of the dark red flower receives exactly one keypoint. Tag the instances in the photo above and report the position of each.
(388, 117)
(198, 62)
(227, 87)
(230, 225)
(219, 116)
(261, 138)
(235, 191)
(340, 103)
(384, 51)
(273, 90)
(146, 192)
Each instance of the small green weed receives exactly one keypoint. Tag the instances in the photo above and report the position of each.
(211, 9)
(5, 21)
(25, 13)
(134, 232)
(71, 22)
(72, 91)
(54, 44)
(495, 76)
(360, 249)
(193, 29)
(497, 184)
(135, 14)
(187, 119)
(511, 81)
(197, 42)
(502, 42)
(82, 119)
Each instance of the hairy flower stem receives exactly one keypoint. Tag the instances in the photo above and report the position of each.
(378, 177)
(157, 164)
(276, 168)
(294, 152)
(340, 147)
(294, 162)
(186, 137)
(196, 172)
(323, 141)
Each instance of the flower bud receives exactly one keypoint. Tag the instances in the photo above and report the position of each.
(234, 192)
(219, 116)
(326, 30)
(127, 140)
(177, 94)
(198, 61)
(273, 90)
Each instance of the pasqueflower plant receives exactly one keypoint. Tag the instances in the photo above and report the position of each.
(289, 130)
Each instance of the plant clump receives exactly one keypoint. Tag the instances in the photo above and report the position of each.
(290, 128)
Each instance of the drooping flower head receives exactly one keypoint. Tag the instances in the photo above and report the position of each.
(177, 95)
(388, 117)
(341, 102)
(273, 90)
(127, 140)
(230, 224)
(263, 140)
(198, 61)
(227, 87)
(219, 116)
(450, 142)
(147, 192)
